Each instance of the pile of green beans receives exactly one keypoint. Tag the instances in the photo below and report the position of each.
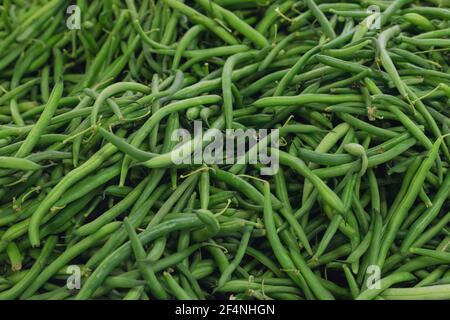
(93, 206)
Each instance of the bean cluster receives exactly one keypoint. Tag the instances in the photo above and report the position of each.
(92, 205)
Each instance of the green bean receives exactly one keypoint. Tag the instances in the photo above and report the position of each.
(56, 294)
(432, 34)
(398, 218)
(112, 213)
(272, 14)
(226, 84)
(286, 210)
(362, 247)
(343, 65)
(327, 237)
(18, 163)
(134, 293)
(37, 130)
(325, 192)
(67, 256)
(147, 271)
(384, 284)
(276, 50)
(211, 223)
(124, 251)
(323, 21)
(125, 147)
(413, 58)
(439, 255)
(293, 71)
(191, 34)
(226, 274)
(19, 287)
(393, 7)
(114, 89)
(313, 282)
(205, 54)
(19, 90)
(75, 175)
(191, 281)
(86, 185)
(243, 186)
(175, 288)
(304, 99)
(430, 11)
(172, 199)
(282, 254)
(258, 255)
(359, 151)
(351, 281)
(436, 292)
(243, 285)
(419, 20)
(138, 211)
(238, 24)
(199, 18)
(432, 277)
(15, 257)
(424, 220)
(327, 143)
(386, 61)
(324, 7)
(343, 83)
(426, 42)
(432, 231)
(155, 118)
(410, 173)
(379, 132)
